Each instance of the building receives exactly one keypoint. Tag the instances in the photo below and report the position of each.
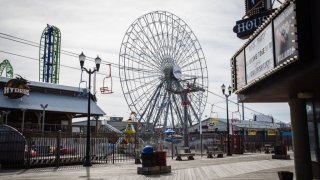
(280, 62)
(42, 106)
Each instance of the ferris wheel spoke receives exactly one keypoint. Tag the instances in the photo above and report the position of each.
(141, 86)
(181, 49)
(141, 98)
(147, 37)
(140, 51)
(145, 47)
(153, 37)
(157, 42)
(190, 46)
(144, 77)
(145, 108)
(154, 57)
(138, 62)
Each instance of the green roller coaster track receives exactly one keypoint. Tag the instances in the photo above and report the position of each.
(49, 55)
(5, 64)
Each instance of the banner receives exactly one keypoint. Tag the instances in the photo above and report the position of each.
(252, 132)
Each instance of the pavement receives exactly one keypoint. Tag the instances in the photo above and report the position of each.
(246, 166)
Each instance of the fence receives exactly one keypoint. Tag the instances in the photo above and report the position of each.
(36, 149)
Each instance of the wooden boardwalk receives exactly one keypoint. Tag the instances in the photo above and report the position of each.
(252, 166)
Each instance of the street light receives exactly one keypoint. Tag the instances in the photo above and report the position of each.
(223, 87)
(82, 58)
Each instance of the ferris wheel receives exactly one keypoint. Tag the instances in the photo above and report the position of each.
(163, 72)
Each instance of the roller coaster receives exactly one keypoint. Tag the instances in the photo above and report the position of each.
(49, 55)
(5, 65)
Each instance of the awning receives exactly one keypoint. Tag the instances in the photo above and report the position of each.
(56, 103)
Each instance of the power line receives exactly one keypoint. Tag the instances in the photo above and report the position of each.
(252, 110)
(72, 54)
(68, 53)
(31, 58)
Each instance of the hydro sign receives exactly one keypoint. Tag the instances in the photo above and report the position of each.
(245, 27)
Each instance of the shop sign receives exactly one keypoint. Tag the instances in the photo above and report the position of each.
(240, 70)
(252, 132)
(257, 6)
(245, 27)
(271, 132)
(16, 88)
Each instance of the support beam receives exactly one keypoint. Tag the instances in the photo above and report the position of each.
(300, 136)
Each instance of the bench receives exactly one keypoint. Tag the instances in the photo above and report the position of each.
(214, 150)
(183, 151)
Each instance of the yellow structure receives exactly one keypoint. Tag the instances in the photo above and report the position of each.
(129, 132)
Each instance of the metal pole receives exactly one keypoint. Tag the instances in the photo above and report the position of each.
(185, 126)
(171, 146)
(242, 112)
(200, 123)
(44, 112)
(23, 116)
(228, 135)
(87, 158)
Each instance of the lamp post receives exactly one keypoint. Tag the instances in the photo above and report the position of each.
(82, 58)
(223, 88)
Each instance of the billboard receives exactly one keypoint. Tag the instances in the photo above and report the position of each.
(259, 55)
(284, 33)
(271, 48)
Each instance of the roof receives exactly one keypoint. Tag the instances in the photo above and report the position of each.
(221, 125)
(45, 85)
(57, 102)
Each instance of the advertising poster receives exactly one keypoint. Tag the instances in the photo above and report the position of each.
(259, 55)
(284, 47)
(240, 70)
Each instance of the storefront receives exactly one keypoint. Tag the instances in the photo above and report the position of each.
(36, 106)
(280, 62)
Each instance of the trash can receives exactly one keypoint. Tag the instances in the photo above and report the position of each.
(148, 157)
(161, 158)
(285, 175)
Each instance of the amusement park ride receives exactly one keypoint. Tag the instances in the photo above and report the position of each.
(5, 65)
(49, 55)
(163, 72)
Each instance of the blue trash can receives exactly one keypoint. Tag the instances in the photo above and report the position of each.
(148, 157)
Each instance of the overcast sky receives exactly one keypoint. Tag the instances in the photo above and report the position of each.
(97, 27)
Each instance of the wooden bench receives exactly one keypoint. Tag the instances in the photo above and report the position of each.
(214, 150)
(184, 151)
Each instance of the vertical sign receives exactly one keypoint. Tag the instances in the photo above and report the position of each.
(240, 70)
(254, 7)
(285, 35)
(259, 55)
